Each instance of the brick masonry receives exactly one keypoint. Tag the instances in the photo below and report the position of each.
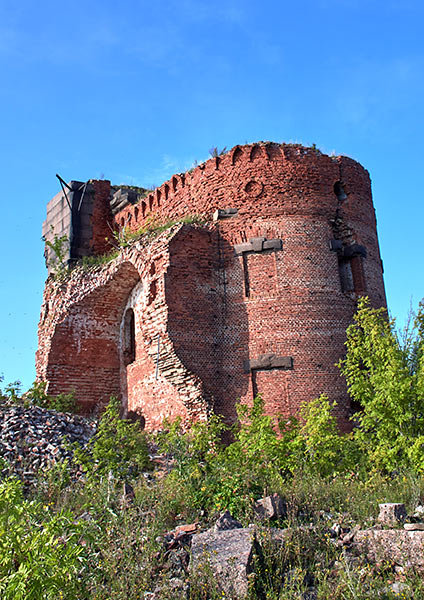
(256, 300)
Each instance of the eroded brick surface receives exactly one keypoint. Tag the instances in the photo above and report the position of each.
(277, 273)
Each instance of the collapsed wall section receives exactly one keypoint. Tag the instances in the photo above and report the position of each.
(105, 331)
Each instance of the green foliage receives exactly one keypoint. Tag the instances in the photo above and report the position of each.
(387, 380)
(324, 450)
(37, 396)
(261, 456)
(124, 237)
(98, 260)
(11, 393)
(58, 263)
(118, 447)
(40, 552)
(215, 152)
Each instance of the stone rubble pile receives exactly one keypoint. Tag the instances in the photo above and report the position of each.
(232, 554)
(31, 439)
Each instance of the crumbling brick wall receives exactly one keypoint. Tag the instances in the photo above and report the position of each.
(255, 300)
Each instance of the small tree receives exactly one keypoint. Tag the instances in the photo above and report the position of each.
(386, 379)
(59, 246)
(118, 446)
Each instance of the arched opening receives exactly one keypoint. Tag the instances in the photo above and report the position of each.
(128, 349)
(89, 348)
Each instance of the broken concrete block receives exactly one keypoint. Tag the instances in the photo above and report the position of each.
(281, 362)
(414, 526)
(354, 250)
(271, 507)
(392, 513)
(227, 555)
(226, 522)
(268, 361)
(404, 548)
(240, 248)
(336, 245)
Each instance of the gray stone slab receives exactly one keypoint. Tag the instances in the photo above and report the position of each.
(281, 362)
(392, 513)
(224, 213)
(405, 548)
(270, 507)
(227, 556)
(354, 250)
(240, 248)
(257, 244)
(226, 522)
(272, 244)
(336, 245)
(268, 361)
(414, 526)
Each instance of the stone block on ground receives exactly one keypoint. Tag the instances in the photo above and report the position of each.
(271, 507)
(398, 546)
(226, 556)
(226, 521)
(414, 526)
(392, 513)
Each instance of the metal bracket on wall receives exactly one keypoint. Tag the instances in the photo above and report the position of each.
(82, 187)
(63, 184)
(157, 359)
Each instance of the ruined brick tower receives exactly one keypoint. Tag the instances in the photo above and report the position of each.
(190, 317)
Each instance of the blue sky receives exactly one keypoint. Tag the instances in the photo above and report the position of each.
(137, 90)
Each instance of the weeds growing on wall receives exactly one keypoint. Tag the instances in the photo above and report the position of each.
(98, 260)
(215, 152)
(125, 237)
(59, 247)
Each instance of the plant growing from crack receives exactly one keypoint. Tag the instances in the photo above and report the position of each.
(60, 248)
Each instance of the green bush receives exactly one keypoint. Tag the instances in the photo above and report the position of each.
(118, 447)
(37, 396)
(261, 457)
(41, 555)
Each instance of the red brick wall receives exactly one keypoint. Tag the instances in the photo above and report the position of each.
(213, 309)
